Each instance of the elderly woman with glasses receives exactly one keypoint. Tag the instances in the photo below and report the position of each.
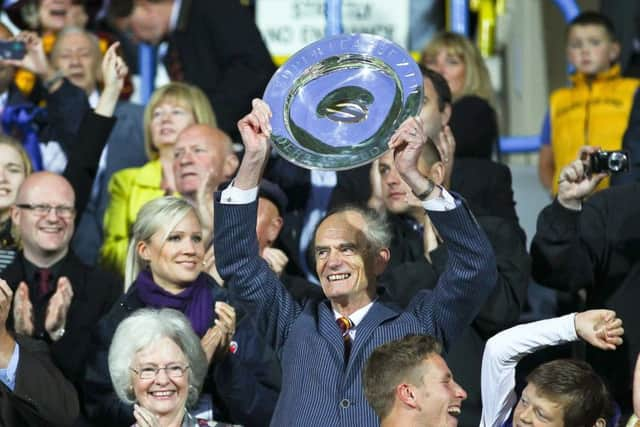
(156, 361)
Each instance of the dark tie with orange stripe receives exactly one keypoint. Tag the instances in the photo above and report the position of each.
(345, 324)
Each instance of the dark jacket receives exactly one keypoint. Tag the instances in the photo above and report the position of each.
(320, 388)
(42, 396)
(94, 292)
(409, 272)
(475, 127)
(125, 149)
(598, 250)
(221, 51)
(487, 187)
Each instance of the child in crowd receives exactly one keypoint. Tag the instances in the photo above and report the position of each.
(558, 393)
(595, 109)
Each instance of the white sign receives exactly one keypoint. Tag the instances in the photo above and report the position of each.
(289, 25)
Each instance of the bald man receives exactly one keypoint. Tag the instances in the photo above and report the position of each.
(57, 298)
(202, 152)
(204, 159)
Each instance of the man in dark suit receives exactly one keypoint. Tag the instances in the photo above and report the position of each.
(214, 45)
(323, 344)
(57, 298)
(33, 392)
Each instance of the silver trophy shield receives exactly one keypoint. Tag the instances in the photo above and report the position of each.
(337, 101)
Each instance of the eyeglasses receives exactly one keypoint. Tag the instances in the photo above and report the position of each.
(150, 372)
(64, 212)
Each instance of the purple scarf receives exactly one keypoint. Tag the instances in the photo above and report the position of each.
(195, 301)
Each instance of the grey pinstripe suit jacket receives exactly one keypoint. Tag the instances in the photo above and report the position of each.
(317, 388)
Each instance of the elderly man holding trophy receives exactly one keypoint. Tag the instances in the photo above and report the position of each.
(337, 104)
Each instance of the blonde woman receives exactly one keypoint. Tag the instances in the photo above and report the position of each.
(172, 108)
(473, 119)
(15, 166)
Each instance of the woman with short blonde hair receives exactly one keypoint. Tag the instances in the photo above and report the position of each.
(177, 93)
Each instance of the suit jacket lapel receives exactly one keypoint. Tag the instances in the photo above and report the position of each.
(328, 328)
(183, 16)
(378, 314)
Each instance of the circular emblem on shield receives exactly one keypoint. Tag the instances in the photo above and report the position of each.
(337, 101)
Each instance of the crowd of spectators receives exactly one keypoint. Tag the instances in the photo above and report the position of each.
(156, 272)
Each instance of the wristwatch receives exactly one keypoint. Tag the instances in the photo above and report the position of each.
(423, 196)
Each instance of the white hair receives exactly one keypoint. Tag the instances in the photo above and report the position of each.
(145, 327)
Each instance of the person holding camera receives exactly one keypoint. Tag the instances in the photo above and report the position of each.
(596, 109)
(591, 243)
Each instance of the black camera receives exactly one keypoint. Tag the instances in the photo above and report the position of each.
(12, 49)
(609, 161)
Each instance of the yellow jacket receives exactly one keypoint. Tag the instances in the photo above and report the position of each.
(130, 189)
(590, 113)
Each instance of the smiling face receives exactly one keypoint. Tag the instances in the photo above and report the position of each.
(78, 59)
(53, 14)
(175, 262)
(168, 119)
(451, 66)
(163, 395)
(439, 398)
(47, 235)
(345, 264)
(12, 175)
(535, 410)
(590, 49)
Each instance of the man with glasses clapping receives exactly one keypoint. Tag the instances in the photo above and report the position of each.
(56, 298)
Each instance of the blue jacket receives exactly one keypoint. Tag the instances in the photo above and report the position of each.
(317, 388)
